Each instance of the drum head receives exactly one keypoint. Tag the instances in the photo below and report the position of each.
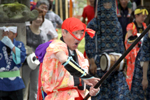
(103, 62)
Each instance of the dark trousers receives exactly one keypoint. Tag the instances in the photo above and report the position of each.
(11, 95)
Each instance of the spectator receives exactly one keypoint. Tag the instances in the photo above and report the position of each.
(123, 19)
(133, 30)
(108, 36)
(35, 36)
(47, 25)
(88, 12)
(12, 55)
(54, 18)
(63, 63)
(127, 5)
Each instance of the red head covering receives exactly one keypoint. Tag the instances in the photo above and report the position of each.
(73, 24)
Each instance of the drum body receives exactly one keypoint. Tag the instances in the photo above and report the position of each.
(108, 60)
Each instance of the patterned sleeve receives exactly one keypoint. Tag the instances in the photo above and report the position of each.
(22, 52)
(90, 42)
(57, 46)
(145, 49)
(129, 27)
(145, 26)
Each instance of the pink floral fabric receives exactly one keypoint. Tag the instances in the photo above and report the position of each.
(56, 77)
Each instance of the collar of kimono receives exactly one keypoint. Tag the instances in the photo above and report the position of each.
(73, 24)
(143, 11)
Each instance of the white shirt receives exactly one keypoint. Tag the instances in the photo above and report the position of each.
(48, 28)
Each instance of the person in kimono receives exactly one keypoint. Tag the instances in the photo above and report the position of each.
(64, 68)
(134, 29)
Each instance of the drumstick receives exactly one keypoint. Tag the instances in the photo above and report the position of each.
(119, 60)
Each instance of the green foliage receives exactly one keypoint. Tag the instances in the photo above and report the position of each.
(79, 5)
(81, 46)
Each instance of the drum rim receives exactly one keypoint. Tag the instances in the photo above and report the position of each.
(107, 61)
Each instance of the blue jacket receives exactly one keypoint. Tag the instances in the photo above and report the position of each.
(7, 64)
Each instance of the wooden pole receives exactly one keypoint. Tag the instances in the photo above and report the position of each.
(70, 9)
(61, 9)
(142, 2)
(66, 8)
(88, 2)
(56, 7)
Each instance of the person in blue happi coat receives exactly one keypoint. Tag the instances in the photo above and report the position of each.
(12, 55)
